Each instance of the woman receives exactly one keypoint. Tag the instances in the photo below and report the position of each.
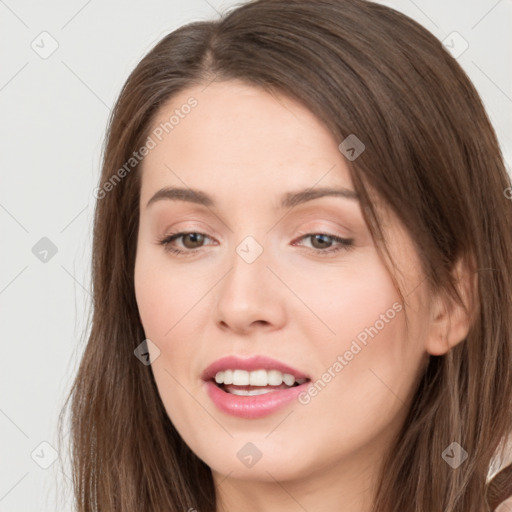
(235, 362)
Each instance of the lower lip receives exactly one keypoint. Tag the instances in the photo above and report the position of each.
(252, 407)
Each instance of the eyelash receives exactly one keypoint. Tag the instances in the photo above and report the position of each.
(344, 243)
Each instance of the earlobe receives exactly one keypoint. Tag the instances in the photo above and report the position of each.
(450, 320)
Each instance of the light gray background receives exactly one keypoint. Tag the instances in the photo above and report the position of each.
(54, 112)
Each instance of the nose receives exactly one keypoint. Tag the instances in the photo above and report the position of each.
(250, 296)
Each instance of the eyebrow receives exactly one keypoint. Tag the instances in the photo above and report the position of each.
(289, 200)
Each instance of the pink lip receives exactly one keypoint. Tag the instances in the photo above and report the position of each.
(251, 407)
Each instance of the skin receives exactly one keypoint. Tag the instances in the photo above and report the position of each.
(245, 148)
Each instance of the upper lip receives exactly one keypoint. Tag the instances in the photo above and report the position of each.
(249, 364)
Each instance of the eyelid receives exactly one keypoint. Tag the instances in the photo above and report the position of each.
(319, 223)
(335, 230)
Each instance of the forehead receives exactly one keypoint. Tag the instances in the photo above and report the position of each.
(241, 137)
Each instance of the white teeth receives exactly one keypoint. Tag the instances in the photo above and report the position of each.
(275, 377)
(256, 378)
(228, 377)
(289, 380)
(240, 378)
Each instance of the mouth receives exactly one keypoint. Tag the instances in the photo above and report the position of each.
(254, 387)
(257, 382)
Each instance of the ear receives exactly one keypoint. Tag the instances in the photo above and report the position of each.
(450, 321)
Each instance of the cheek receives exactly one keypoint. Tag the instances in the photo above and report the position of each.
(349, 298)
(171, 304)
(163, 297)
(368, 360)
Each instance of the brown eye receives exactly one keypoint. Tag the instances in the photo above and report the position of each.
(189, 242)
(320, 241)
(324, 244)
(195, 239)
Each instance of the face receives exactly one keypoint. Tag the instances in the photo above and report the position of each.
(248, 274)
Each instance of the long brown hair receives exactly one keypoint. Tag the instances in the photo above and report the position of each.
(433, 158)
